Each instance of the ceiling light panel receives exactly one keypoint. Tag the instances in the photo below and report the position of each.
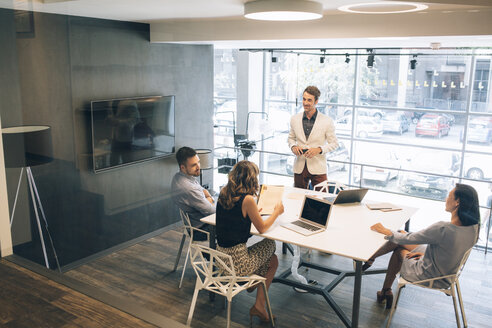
(383, 7)
(283, 10)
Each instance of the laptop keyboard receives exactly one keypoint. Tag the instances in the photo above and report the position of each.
(305, 225)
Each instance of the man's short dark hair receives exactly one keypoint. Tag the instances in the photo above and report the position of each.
(183, 154)
(313, 91)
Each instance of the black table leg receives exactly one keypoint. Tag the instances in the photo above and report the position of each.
(357, 287)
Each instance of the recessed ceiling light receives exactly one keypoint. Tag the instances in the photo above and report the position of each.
(381, 7)
(283, 10)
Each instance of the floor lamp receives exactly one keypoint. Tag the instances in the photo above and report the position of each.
(206, 157)
(24, 147)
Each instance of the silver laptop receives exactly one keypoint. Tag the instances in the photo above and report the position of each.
(313, 218)
(347, 196)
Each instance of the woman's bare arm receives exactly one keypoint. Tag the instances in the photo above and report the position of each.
(250, 209)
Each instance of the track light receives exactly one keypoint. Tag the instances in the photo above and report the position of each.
(413, 62)
(370, 58)
(347, 58)
(274, 59)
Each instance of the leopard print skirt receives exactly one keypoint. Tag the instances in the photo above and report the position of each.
(251, 260)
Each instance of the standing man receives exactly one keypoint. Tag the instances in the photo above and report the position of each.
(311, 136)
(188, 194)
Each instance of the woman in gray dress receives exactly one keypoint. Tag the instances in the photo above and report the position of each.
(434, 251)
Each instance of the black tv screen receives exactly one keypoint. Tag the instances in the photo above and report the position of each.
(131, 130)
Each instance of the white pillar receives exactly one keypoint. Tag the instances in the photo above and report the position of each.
(5, 233)
(403, 77)
(249, 87)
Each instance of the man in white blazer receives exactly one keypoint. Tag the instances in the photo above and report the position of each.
(311, 136)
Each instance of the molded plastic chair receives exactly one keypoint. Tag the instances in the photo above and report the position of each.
(450, 291)
(331, 187)
(188, 230)
(217, 275)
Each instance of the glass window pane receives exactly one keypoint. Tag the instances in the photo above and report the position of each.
(479, 133)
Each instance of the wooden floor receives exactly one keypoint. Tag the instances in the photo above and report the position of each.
(30, 300)
(141, 274)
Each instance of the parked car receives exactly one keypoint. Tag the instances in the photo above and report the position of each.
(432, 125)
(381, 173)
(479, 130)
(365, 127)
(430, 183)
(450, 118)
(376, 113)
(477, 166)
(395, 122)
(340, 154)
(416, 117)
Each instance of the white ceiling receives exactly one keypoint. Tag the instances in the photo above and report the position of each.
(157, 10)
(221, 22)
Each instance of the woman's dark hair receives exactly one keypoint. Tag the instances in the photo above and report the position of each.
(468, 208)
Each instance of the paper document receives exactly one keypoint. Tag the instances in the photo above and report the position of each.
(384, 207)
(269, 197)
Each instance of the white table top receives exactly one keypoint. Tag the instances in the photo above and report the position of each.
(348, 233)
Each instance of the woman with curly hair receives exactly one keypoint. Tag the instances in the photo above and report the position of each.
(236, 210)
(434, 251)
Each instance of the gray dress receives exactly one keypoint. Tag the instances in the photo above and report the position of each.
(446, 244)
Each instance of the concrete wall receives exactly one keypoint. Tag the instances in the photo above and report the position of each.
(50, 78)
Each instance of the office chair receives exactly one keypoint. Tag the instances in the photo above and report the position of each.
(188, 230)
(216, 274)
(331, 187)
(450, 291)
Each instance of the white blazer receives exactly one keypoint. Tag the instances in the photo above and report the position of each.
(322, 135)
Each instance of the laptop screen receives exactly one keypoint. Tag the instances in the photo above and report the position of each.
(315, 210)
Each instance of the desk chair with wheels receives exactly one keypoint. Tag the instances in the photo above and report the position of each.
(450, 291)
(188, 230)
(216, 274)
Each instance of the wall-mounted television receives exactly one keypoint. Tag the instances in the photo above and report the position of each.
(131, 130)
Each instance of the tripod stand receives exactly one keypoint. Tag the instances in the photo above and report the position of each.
(37, 206)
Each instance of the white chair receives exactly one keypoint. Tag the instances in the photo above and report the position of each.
(331, 187)
(428, 283)
(188, 230)
(217, 275)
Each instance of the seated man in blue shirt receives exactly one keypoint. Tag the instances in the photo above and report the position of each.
(188, 194)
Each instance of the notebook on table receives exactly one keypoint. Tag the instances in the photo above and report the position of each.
(313, 218)
(348, 196)
(268, 197)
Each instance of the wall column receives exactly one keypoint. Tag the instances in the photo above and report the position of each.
(5, 233)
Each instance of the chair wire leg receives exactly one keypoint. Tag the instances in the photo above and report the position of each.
(458, 321)
(460, 299)
(179, 252)
(193, 303)
(229, 313)
(393, 307)
(267, 299)
(186, 262)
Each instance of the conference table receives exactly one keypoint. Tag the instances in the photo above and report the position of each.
(348, 234)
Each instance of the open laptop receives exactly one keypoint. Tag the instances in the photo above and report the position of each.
(313, 218)
(347, 196)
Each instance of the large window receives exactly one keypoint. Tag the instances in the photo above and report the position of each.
(414, 123)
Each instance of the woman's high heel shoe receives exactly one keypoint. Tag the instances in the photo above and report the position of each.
(385, 295)
(253, 312)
